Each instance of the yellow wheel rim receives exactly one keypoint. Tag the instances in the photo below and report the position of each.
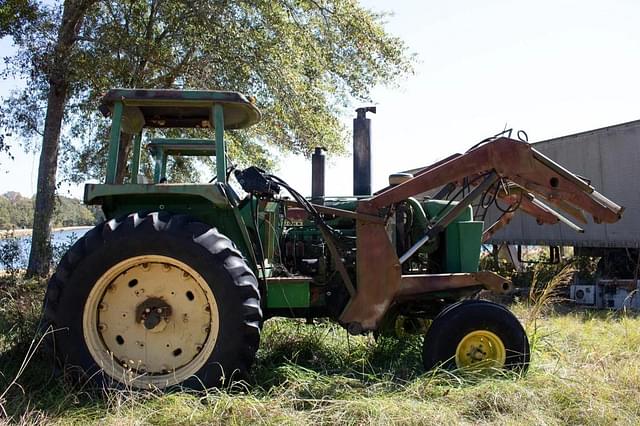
(150, 321)
(481, 349)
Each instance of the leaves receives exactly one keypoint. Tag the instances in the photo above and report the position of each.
(305, 61)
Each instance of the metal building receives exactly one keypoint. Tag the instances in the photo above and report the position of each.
(610, 159)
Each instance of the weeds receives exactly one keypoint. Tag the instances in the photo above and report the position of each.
(584, 371)
(544, 294)
(12, 256)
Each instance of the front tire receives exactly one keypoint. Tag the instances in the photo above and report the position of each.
(476, 335)
(154, 301)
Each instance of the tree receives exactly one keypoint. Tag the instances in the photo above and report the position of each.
(52, 65)
(15, 14)
(304, 60)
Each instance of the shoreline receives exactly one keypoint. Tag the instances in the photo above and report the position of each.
(25, 232)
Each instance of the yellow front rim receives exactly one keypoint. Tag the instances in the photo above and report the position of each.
(150, 321)
(481, 349)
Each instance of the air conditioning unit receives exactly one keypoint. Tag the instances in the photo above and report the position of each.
(583, 294)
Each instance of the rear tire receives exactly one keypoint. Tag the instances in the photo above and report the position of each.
(476, 335)
(154, 300)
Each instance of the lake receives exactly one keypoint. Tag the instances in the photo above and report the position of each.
(61, 240)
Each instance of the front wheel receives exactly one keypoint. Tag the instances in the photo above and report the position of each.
(476, 335)
(155, 301)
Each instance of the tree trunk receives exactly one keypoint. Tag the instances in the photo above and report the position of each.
(59, 80)
(40, 255)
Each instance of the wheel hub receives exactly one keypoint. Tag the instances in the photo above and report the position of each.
(480, 349)
(155, 317)
(154, 314)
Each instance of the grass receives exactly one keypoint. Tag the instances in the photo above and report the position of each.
(585, 370)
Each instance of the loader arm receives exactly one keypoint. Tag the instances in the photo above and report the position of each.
(516, 164)
(514, 161)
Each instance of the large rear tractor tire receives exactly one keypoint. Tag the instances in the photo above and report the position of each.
(476, 335)
(154, 301)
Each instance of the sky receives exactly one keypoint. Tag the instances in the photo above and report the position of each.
(551, 68)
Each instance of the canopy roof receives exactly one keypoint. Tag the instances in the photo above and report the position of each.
(163, 108)
(189, 147)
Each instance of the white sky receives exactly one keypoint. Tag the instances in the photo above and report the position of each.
(548, 67)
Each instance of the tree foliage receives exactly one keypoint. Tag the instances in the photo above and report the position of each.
(14, 14)
(305, 61)
(16, 211)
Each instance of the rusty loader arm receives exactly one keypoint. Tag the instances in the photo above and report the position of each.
(515, 172)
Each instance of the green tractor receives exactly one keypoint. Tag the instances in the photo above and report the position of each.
(174, 286)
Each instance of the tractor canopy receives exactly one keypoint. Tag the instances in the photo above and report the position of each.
(133, 110)
(161, 108)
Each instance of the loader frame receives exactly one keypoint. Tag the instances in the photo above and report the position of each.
(516, 172)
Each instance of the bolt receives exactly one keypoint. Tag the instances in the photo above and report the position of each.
(159, 310)
(185, 318)
(206, 328)
(185, 275)
(355, 328)
(145, 266)
(198, 347)
(102, 326)
(166, 267)
(207, 308)
(102, 306)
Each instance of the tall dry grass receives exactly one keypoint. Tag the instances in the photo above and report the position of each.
(584, 371)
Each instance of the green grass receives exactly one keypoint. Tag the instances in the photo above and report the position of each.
(585, 370)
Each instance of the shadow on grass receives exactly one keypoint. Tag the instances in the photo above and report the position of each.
(326, 349)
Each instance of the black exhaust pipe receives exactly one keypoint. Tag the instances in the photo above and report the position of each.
(362, 152)
(317, 176)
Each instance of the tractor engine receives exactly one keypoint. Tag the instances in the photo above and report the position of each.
(305, 252)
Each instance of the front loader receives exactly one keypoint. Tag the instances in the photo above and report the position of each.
(173, 287)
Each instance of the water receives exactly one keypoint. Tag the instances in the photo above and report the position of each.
(60, 241)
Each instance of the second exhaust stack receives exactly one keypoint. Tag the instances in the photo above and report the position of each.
(362, 152)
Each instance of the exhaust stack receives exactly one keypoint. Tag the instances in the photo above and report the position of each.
(317, 175)
(362, 152)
